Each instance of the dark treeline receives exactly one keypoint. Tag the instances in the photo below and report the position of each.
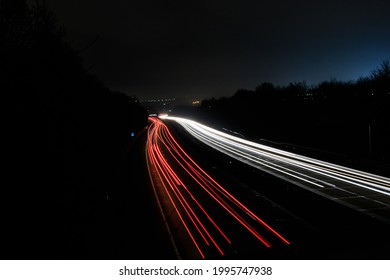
(349, 118)
(66, 137)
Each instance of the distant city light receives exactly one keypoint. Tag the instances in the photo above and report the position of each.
(157, 100)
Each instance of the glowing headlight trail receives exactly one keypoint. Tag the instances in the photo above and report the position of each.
(296, 168)
(200, 225)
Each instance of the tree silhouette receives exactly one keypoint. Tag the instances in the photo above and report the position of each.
(66, 139)
(332, 116)
(382, 72)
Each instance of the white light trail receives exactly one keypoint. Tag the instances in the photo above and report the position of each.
(297, 168)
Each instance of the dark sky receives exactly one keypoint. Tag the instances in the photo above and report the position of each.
(198, 49)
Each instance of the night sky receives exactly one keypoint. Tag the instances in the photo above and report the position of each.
(200, 49)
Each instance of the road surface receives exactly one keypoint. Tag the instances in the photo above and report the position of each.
(219, 201)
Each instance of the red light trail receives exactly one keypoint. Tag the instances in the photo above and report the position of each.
(191, 200)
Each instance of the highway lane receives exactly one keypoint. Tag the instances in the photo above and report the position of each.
(205, 219)
(362, 191)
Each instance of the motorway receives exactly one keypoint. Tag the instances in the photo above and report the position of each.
(361, 191)
(206, 220)
(225, 197)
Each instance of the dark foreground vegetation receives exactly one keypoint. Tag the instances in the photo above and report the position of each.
(66, 138)
(347, 118)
